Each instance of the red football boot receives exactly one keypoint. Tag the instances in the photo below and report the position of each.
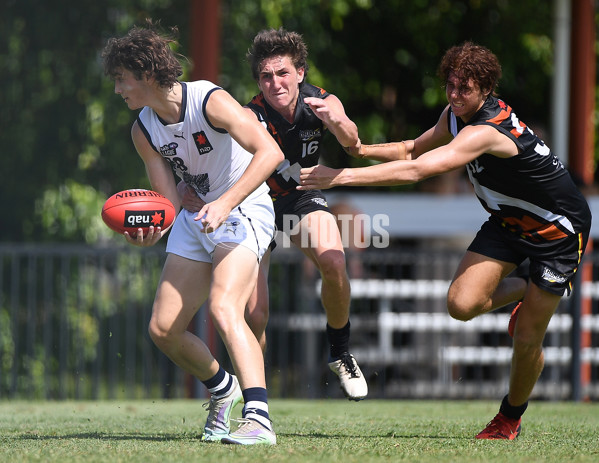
(512, 325)
(501, 427)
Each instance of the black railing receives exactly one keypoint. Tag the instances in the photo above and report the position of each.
(73, 325)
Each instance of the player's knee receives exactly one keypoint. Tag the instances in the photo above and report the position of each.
(162, 338)
(459, 309)
(527, 347)
(529, 336)
(257, 319)
(224, 315)
(332, 266)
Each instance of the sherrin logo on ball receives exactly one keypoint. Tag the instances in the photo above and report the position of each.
(130, 210)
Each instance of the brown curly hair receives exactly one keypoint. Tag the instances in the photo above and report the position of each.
(277, 42)
(144, 51)
(471, 61)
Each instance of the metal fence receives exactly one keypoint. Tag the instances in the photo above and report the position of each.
(73, 325)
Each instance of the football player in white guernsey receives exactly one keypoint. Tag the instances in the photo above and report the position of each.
(536, 212)
(297, 115)
(201, 133)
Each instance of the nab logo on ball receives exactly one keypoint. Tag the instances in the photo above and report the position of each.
(144, 218)
(131, 210)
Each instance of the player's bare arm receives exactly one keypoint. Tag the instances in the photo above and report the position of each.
(384, 152)
(224, 112)
(161, 179)
(406, 149)
(470, 143)
(330, 110)
(436, 136)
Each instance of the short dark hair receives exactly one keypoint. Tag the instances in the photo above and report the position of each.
(471, 61)
(275, 42)
(144, 51)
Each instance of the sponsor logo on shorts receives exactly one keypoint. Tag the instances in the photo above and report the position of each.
(229, 234)
(320, 201)
(231, 227)
(553, 277)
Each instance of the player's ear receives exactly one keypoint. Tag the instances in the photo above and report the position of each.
(301, 72)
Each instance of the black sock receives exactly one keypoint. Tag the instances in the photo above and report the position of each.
(510, 411)
(338, 340)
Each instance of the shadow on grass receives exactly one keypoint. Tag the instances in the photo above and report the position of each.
(318, 435)
(188, 437)
(109, 436)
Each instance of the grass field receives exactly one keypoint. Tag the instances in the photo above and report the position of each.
(307, 431)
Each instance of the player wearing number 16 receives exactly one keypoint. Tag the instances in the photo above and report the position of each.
(197, 130)
(297, 114)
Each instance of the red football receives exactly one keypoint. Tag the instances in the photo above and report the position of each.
(130, 210)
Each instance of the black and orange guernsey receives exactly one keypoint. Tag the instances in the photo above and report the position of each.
(300, 141)
(532, 194)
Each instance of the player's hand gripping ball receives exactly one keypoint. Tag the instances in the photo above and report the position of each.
(130, 210)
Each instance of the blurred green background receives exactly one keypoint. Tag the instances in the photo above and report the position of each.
(65, 136)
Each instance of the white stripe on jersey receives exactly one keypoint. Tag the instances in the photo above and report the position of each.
(493, 199)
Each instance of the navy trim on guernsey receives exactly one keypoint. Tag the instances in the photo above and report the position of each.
(204, 103)
(253, 230)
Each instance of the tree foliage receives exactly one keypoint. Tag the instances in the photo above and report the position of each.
(66, 136)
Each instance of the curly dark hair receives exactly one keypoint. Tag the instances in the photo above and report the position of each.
(471, 61)
(144, 51)
(275, 42)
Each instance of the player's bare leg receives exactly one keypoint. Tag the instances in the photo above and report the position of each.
(257, 310)
(182, 288)
(234, 274)
(319, 239)
(480, 286)
(234, 279)
(537, 308)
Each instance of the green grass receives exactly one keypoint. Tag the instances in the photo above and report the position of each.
(307, 431)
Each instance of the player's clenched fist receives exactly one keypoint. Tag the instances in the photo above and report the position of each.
(317, 177)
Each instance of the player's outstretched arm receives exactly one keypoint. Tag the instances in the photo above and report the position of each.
(470, 143)
(407, 149)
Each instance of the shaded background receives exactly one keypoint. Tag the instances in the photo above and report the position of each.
(65, 136)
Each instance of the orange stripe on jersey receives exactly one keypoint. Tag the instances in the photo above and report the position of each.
(531, 228)
(502, 116)
(275, 188)
(273, 130)
(258, 100)
(551, 232)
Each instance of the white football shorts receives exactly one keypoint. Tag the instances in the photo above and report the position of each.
(250, 224)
